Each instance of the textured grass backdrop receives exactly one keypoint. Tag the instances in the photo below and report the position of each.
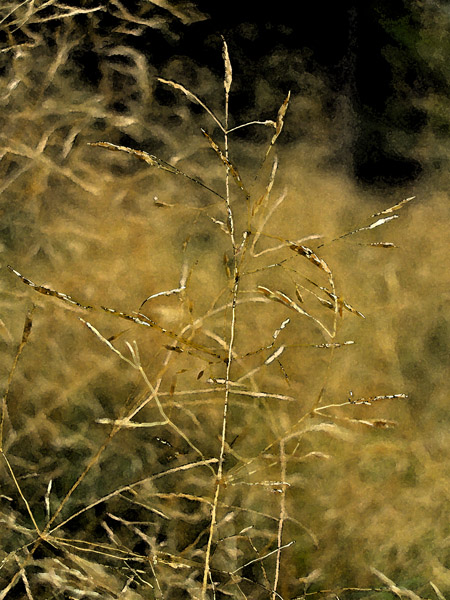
(113, 422)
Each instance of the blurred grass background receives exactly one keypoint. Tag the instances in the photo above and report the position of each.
(110, 231)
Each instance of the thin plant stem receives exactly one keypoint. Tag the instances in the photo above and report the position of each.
(218, 483)
(281, 518)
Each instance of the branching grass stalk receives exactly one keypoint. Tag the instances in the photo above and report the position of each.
(245, 375)
(227, 85)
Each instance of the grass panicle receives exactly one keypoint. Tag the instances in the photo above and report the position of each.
(209, 386)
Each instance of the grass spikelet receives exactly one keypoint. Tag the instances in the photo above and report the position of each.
(234, 172)
(261, 201)
(278, 352)
(228, 70)
(342, 303)
(373, 225)
(41, 289)
(281, 297)
(193, 98)
(312, 256)
(153, 161)
(392, 209)
(383, 244)
(279, 123)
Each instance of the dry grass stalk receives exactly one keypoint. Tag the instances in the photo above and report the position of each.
(236, 370)
(235, 274)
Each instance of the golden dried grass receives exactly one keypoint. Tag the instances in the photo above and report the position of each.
(176, 450)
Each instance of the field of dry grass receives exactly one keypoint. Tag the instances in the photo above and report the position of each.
(218, 392)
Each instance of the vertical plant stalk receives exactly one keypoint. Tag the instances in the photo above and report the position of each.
(280, 520)
(230, 222)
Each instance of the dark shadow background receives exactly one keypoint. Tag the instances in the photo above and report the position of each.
(379, 62)
(371, 57)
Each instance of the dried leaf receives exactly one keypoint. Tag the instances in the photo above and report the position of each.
(116, 336)
(329, 428)
(316, 454)
(381, 222)
(226, 263)
(324, 302)
(313, 576)
(340, 301)
(173, 348)
(282, 298)
(282, 113)
(25, 335)
(164, 293)
(222, 381)
(161, 204)
(27, 327)
(221, 224)
(186, 12)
